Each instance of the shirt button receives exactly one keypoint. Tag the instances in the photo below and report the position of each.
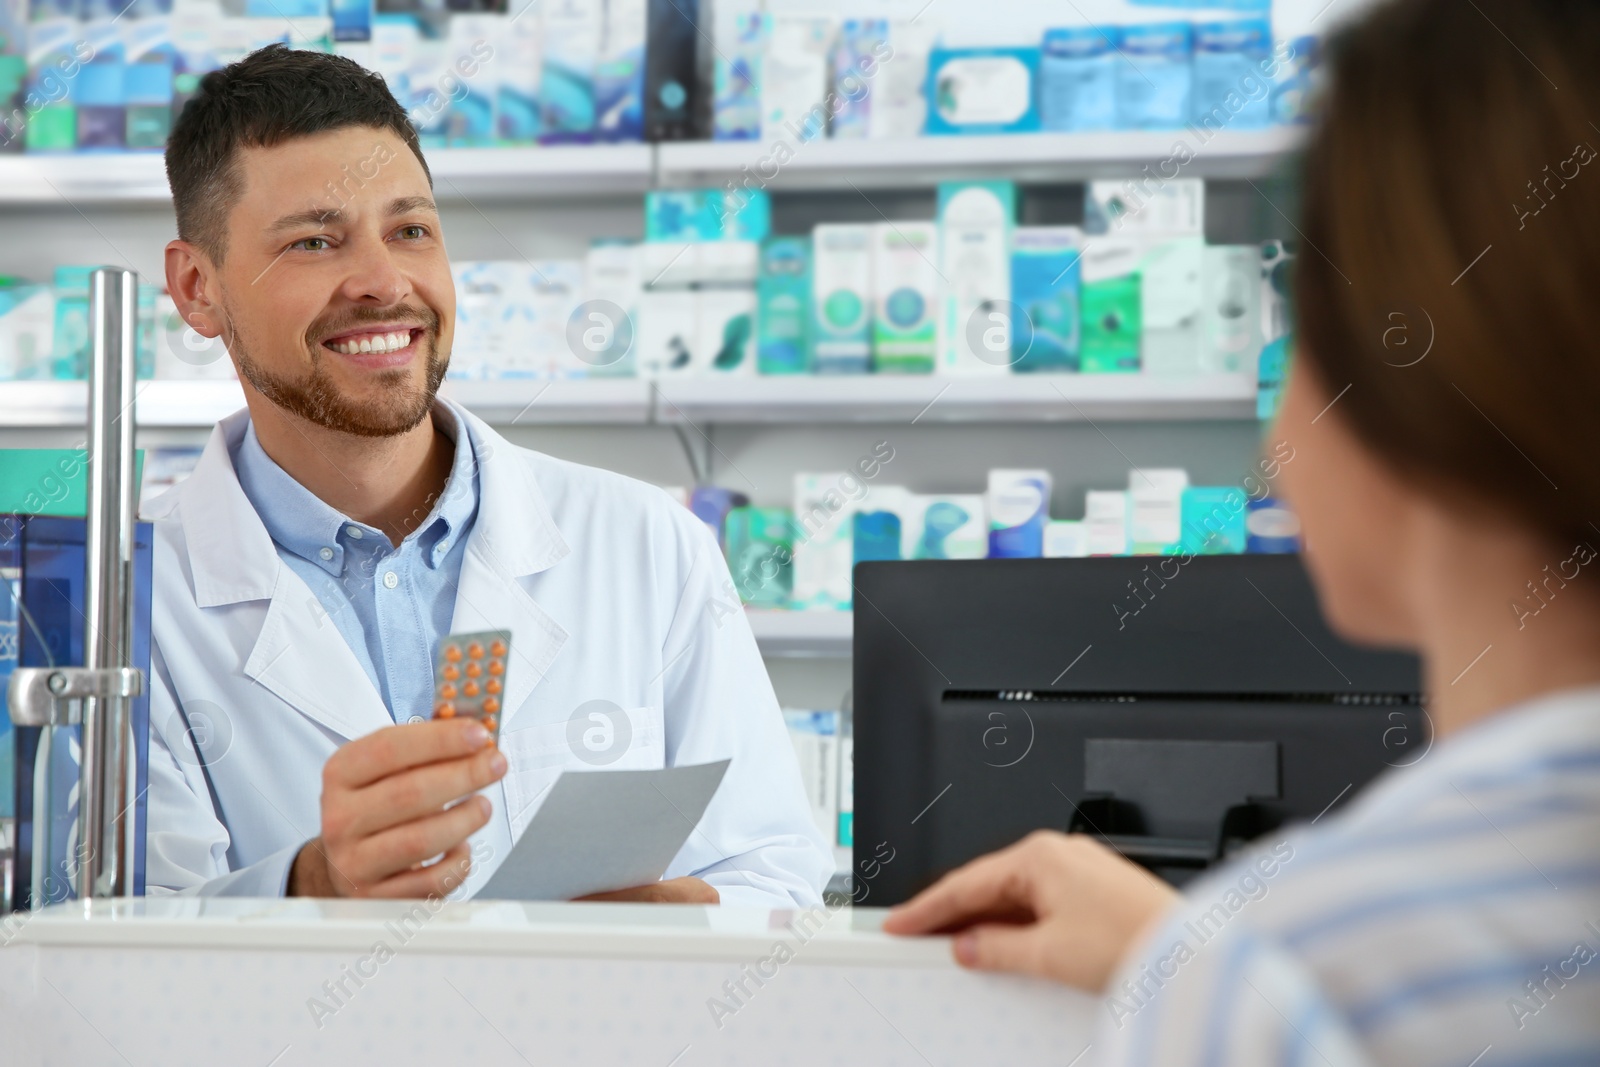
(416, 718)
(355, 532)
(390, 579)
(442, 547)
(326, 553)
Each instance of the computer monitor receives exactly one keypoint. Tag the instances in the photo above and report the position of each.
(1175, 707)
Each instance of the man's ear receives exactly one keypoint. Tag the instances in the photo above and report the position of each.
(191, 282)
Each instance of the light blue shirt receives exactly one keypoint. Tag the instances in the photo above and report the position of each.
(391, 604)
(1448, 917)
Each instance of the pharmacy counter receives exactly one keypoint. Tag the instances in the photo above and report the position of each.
(254, 983)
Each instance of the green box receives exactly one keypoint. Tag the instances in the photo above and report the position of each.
(1213, 520)
(1112, 325)
(760, 546)
(53, 128)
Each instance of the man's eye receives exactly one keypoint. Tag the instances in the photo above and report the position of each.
(413, 233)
(312, 244)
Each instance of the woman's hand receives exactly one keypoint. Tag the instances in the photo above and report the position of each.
(1060, 907)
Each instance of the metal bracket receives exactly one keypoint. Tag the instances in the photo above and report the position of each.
(52, 696)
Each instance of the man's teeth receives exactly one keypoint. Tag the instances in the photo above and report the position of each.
(380, 342)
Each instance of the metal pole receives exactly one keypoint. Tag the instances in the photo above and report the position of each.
(105, 843)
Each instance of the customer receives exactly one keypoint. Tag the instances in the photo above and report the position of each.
(1445, 414)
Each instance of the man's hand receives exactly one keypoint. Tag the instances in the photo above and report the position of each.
(1059, 907)
(384, 812)
(673, 891)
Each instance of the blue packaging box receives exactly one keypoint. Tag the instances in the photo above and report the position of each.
(1154, 84)
(1230, 88)
(1078, 79)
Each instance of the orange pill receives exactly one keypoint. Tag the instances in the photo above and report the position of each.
(489, 723)
(496, 667)
(444, 711)
(451, 674)
(491, 705)
(447, 691)
(475, 650)
(497, 648)
(452, 653)
(470, 689)
(474, 670)
(492, 685)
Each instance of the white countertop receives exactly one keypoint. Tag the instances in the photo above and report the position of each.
(685, 932)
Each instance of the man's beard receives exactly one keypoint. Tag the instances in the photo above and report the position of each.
(317, 399)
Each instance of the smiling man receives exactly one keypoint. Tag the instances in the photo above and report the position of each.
(349, 518)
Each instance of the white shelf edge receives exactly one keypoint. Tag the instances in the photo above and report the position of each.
(533, 173)
(921, 161)
(893, 398)
(568, 171)
(802, 634)
(771, 400)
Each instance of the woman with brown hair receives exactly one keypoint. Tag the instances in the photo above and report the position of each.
(1444, 407)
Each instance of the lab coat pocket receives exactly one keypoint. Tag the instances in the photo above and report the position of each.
(600, 736)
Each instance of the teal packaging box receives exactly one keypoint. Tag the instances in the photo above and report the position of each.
(760, 547)
(1045, 284)
(1213, 520)
(783, 293)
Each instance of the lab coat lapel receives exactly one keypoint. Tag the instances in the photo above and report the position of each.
(302, 658)
(298, 654)
(513, 536)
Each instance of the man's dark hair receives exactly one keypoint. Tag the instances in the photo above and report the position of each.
(270, 96)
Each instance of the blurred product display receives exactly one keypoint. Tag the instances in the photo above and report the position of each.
(111, 75)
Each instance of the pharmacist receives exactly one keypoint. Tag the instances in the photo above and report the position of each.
(334, 531)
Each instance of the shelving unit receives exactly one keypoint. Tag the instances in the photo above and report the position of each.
(604, 171)
(803, 634)
(787, 400)
(921, 161)
(489, 174)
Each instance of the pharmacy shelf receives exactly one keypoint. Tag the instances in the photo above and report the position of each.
(1004, 398)
(802, 634)
(923, 161)
(459, 174)
(201, 404)
(568, 171)
(532, 402)
(675, 401)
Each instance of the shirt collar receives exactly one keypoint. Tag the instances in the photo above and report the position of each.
(301, 522)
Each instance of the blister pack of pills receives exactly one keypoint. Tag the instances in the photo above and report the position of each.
(469, 677)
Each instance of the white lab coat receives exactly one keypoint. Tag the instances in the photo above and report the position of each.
(611, 590)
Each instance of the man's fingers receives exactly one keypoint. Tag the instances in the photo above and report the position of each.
(995, 885)
(435, 880)
(397, 849)
(419, 791)
(394, 748)
(1002, 947)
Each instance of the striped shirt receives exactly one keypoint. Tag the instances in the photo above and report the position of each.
(1448, 917)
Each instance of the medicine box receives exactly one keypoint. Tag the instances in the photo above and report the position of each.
(824, 510)
(976, 220)
(842, 298)
(983, 90)
(1018, 503)
(783, 320)
(1045, 284)
(945, 527)
(1155, 512)
(905, 284)
(1105, 520)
